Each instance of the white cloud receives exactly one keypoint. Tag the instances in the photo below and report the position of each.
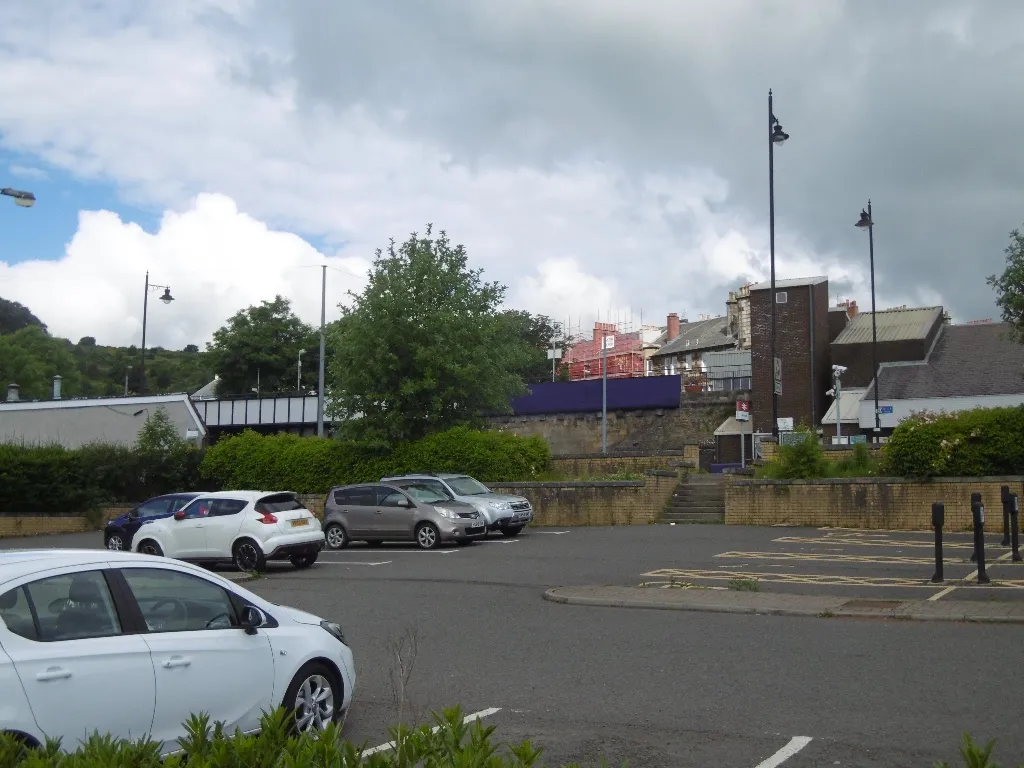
(214, 258)
(26, 172)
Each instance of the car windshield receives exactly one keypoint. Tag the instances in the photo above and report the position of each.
(427, 494)
(467, 486)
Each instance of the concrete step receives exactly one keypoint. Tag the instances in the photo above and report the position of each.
(693, 517)
(718, 493)
(704, 479)
(710, 509)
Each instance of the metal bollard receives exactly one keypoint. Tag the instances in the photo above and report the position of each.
(1015, 528)
(1005, 490)
(938, 518)
(978, 513)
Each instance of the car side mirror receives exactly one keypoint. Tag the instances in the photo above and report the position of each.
(252, 619)
(179, 515)
(134, 514)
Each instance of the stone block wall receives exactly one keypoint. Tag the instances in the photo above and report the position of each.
(41, 525)
(881, 503)
(596, 465)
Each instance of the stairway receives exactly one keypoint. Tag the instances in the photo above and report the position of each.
(700, 498)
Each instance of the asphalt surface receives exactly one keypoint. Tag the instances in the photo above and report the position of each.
(662, 688)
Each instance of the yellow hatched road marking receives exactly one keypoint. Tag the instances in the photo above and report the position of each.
(829, 557)
(819, 578)
(866, 542)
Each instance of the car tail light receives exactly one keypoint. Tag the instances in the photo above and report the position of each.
(267, 519)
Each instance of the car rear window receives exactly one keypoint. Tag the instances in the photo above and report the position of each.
(356, 497)
(280, 503)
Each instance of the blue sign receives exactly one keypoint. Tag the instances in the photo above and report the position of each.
(885, 409)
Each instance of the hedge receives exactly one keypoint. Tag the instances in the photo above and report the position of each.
(313, 465)
(985, 442)
(48, 479)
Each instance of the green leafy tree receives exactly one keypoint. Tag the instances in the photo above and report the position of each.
(31, 358)
(260, 346)
(537, 332)
(1009, 285)
(158, 435)
(15, 316)
(424, 347)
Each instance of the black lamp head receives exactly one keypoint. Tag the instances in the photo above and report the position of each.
(167, 298)
(865, 220)
(778, 135)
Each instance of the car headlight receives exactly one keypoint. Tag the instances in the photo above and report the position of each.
(334, 629)
(501, 506)
(445, 512)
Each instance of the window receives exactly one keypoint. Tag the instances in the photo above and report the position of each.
(179, 503)
(428, 493)
(225, 507)
(356, 497)
(154, 507)
(781, 297)
(197, 508)
(467, 486)
(16, 614)
(394, 499)
(282, 502)
(73, 606)
(171, 601)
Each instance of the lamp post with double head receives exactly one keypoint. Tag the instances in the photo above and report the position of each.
(775, 136)
(868, 223)
(166, 299)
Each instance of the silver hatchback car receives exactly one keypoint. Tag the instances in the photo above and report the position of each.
(379, 512)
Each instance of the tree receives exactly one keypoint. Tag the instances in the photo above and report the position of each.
(31, 358)
(158, 435)
(15, 316)
(1009, 286)
(423, 348)
(259, 346)
(537, 332)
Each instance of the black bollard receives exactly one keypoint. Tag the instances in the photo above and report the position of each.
(1015, 528)
(938, 518)
(978, 513)
(1006, 515)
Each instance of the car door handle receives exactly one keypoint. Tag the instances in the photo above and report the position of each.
(54, 673)
(379, 512)
(176, 661)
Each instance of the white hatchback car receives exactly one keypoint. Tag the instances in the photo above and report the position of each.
(247, 528)
(132, 645)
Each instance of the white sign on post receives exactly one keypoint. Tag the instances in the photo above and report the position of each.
(554, 354)
(608, 342)
(785, 424)
(742, 410)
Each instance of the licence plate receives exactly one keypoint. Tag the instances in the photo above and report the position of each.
(300, 521)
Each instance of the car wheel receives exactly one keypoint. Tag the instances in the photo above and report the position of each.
(115, 542)
(150, 547)
(303, 561)
(249, 557)
(512, 530)
(313, 697)
(427, 536)
(336, 536)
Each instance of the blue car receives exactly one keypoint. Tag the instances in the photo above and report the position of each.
(119, 531)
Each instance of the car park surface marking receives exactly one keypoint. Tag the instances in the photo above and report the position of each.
(872, 542)
(795, 745)
(822, 579)
(829, 557)
(497, 541)
(354, 562)
(465, 721)
(390, 551)
(969, 578)
(553, 533)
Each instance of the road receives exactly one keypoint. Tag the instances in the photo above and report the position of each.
(651, 687)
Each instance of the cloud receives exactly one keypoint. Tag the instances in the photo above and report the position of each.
(586, 152)
(27, 172)
(214, 258)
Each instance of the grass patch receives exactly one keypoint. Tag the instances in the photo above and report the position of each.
(744, 585)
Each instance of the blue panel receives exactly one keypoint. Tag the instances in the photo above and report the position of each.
(585, 396)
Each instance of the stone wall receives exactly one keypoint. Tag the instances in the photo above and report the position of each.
(597, 503)
(882, 503)
(595, 465)
(41, 525)
(696, 418)
(769, 448)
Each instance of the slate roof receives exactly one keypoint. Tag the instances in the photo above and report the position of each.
(849, 402)
(702, 334)
(966, 361)
(892, 325)
(794, 282)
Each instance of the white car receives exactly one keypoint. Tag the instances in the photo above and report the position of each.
(247, 528)
(132, 645)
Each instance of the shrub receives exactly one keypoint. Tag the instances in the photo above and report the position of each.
(802, 459)
(312, 465)
(977, 443)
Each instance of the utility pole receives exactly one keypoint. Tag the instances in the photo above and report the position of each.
(323, 352)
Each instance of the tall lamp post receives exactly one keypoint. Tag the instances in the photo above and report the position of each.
(22, 198)
(166, 299)
(775, 136)
(868, 223)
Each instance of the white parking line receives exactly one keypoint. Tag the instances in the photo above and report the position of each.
(553, 533)
(972, 575)
(499, 541)
(795, 745)
(353, 562)
(390, 552)
(466, 720)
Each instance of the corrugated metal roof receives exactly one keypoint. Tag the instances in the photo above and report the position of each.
(702, 334)
(794, 282)
(849, 401)
(892, 325)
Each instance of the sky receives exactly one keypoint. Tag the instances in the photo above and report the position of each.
(597, 157)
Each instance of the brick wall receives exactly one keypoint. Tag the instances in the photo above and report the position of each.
(881, 503)
(587, 465)
(802, 343)
(597, 503)
(857, 357)
(41, 525)
(770, 448)
(697, 417)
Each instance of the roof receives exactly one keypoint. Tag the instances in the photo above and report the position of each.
(732, 426)
(702, 334)
(892, 325)
(207, 391)
(966, 361)
(795, 282)
(849, 400)
(240, 494)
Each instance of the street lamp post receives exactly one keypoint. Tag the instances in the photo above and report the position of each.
(22, 198)
(775, 136)
(166, 299)
(298, 374)
(868, 223)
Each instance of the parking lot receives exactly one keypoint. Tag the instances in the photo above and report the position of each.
(661, 688)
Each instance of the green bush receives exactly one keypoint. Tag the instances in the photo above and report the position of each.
(312, 465)
(977, 443)
(449, 743)
(803, 459)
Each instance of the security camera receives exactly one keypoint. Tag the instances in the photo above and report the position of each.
(839, 369)
(831, 393)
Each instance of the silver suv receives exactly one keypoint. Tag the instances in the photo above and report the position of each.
(379, 512)
(503, 512)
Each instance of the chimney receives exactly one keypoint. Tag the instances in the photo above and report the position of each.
(56, 387)
(12, 393)
(851, 309)
(673, 326)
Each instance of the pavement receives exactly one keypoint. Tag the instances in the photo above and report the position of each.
(665, 688)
